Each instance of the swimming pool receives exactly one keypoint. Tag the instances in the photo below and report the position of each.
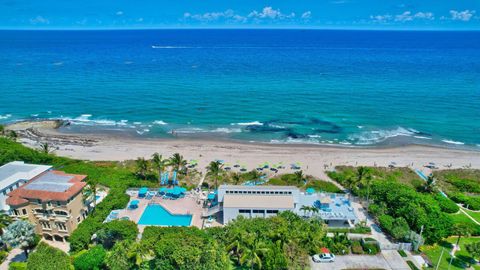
(156, 215)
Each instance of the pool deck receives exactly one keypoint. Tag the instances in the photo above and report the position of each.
(182, 206)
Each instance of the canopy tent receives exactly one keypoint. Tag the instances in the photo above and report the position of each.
(134, 204)
(142, 192)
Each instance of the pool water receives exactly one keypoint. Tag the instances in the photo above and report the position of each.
(157, 215)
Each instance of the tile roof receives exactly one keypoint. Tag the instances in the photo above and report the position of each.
(49, 186)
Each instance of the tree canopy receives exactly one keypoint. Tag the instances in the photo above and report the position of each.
(46, 257)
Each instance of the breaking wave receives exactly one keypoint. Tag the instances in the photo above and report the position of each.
(377, 136)
(453, 142)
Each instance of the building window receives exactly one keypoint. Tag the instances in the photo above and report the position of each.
(272, 211)
(256, 211)
(15, 212)
(61, 213)
(61, 226)
(24, 211)
(45, 225)
(40, 211)
(244, 211)
(78, 219)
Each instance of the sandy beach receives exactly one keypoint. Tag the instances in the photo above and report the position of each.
(314, 159)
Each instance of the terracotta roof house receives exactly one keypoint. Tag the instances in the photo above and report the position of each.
(53, 201)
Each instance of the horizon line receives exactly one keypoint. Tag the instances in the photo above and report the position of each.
(245, 28)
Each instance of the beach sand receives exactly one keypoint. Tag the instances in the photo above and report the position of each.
(314, 160)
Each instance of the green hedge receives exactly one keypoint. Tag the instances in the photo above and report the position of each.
(470, 202)
(447, 205)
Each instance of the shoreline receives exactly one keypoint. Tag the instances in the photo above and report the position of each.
(314, 159)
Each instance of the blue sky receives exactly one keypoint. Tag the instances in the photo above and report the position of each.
(330, 14)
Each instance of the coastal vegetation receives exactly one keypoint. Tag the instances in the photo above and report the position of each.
(411, 208)
(461, 185)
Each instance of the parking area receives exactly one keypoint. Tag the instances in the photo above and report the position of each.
(386, 260)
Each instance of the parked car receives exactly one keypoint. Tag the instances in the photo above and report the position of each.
(323, 257)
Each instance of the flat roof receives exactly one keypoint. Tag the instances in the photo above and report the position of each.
(257, 187)
(258, 201)
(14, 171)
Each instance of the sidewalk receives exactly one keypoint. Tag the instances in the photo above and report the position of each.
(15, 255)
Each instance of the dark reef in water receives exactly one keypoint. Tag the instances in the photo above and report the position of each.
(291, 129)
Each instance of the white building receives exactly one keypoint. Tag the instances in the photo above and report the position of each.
(263, 201)
(15, 174)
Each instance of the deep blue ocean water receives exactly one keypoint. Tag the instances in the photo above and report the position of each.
(280, 86)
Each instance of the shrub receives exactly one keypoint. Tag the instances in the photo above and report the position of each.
(447, 205)
(116, 230)
(91, 259)
(357, 247)
(3, 255)
(412, 265)
(371, 248)
(470, 202)
(17, 266)
(402, 253)
(46, 257)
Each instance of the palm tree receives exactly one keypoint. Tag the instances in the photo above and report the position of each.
(178, 162)
(90, 192)
(45, 148)
(236, 178)
(5, 220)
(142, 167)
(430, 184)
(142, 254)
(314, 209)
(159, 163)
(214, 169)
(362, 173)
(305, 208)
(255, 175)
(298, 177)
(252, 251)
(236, 239)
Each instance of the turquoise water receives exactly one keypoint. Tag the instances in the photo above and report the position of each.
(156, 215)
(351, 88)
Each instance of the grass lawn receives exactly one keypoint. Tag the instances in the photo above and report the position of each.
(462, 260)
(474, 214)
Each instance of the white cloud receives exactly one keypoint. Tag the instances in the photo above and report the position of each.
(270, 13)
(406, 16)
(39, 20)
(119, 13)
(465, 15)
(381, 18)
(214, 16)
(140, 20)
(307, 15)
(266, 14)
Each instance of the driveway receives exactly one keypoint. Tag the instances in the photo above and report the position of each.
(386, 261)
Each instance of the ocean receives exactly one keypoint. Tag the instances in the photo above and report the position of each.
(350, 88)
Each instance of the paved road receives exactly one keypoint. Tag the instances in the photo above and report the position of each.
(388, 261)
